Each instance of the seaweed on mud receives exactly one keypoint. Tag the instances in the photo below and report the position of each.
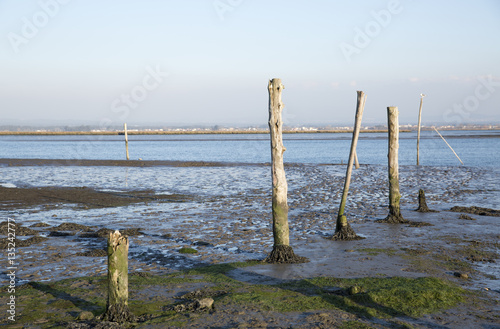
(93, 253)
(477, 211)
(6, 227)
(4, 243)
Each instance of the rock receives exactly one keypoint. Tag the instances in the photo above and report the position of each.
(467, 217)
(205, 303)
(354, 290)
(461, 275)
(85, 316)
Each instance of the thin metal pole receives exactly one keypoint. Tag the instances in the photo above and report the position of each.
(418, 133)
(448, 145)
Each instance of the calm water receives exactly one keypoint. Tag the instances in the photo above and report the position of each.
(475, 148)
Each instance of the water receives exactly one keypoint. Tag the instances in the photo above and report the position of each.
(475, 148)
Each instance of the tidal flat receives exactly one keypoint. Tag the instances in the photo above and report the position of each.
(221, 215)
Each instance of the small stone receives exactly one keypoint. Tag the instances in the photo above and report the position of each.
(354, 290)
(85, 316)
(205, 303)
(461, 275)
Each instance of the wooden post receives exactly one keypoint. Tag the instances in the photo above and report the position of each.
(343, 230)
(126, 139)
(117, 306)
(356, 162)
(422, 204)
(418, 129)
(282, 252)
(394, 195)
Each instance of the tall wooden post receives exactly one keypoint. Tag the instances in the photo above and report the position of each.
(418, 129)
(117, 306)
(126, 139)
(282, 252)
(394, 195)
(343, 230)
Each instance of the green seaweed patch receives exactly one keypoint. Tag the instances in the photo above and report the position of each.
(387, 297)
(54, 304)
(376, 251)
(223, 268)
(378, 297)
(416, 251)
(187, 250)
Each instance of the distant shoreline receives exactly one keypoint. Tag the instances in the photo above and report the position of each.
(205, 132)
(202, 132)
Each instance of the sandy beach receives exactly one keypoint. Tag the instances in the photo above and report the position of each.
(223, 212)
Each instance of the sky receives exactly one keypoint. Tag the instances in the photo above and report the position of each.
(208, 62)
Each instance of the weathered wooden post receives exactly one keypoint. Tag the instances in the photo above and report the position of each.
(343, 231)
(117, 306)
(356, 162)
(422, 204)
(394, 195)
(126, 139)
(418, 129)
(282, 251)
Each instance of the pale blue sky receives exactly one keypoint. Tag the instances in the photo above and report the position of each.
(91, 61)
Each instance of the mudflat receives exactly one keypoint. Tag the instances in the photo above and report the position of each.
(439, 270)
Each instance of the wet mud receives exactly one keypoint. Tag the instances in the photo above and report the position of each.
(83, 197)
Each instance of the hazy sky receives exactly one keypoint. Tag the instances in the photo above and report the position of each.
(209, 61)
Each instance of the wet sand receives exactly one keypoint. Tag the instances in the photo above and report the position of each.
(232, 222)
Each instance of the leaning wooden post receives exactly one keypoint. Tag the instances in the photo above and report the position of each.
(356, 162)
(117, 306)
(418, 129)
(282, 252)
(126, 139)
(394, 195)
(343, 231)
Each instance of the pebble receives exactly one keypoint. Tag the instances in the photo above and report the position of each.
(461, 275)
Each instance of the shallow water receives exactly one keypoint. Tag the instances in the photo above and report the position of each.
(473, 147)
